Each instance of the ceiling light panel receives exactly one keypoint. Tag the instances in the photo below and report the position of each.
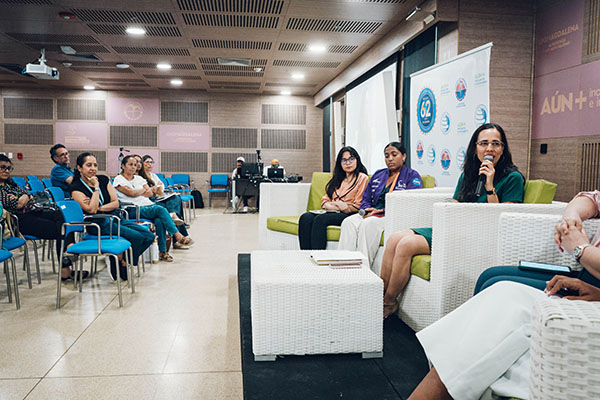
(124, 17)
(332, 25)
(121, 30)
(231, 44)
(178, 66)
(248, 6)
(231, 21)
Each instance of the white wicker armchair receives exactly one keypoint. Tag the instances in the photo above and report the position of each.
(465, 240)
(565, 344)
(565, 350)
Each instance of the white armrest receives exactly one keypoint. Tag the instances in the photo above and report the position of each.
(412, 208)
(279, 200)
(531, 237)
(565, 357)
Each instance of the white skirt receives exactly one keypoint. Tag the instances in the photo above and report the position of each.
(482, 347)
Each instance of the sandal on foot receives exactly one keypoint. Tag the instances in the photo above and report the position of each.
(178, 221)
(165, 257)
(186, 240)
(180, 246)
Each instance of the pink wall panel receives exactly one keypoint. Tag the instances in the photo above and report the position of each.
(184, 137)
(82, 135)
(132, 111)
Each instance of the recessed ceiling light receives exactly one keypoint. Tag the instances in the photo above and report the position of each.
(176, 82)
(163, 66)
(297, 76)
(135, 30)
(285, 92)
(317, 48)
(122, 65)
(89, 87)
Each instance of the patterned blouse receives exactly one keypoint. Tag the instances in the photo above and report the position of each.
(8, 203)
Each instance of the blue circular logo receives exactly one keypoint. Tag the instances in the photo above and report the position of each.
(460, 89)
(445, 123)
(445, 159)
(461, 155)
(426, 110)
(481, 115)
(431, 155)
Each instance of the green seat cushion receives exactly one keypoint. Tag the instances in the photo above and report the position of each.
(290, 225)
(421, 266)
(428, 181)
(539, 191)
(317, 189)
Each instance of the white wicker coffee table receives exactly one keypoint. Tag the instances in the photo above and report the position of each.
(300, 308)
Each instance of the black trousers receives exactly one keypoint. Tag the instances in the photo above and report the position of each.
(312, 229)
(44, 225)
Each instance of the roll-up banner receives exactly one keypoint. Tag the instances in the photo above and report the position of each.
(448, 102)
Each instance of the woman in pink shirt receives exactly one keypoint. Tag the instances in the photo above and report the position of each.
(342, 198)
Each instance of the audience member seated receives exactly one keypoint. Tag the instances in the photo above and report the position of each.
(138, 167)
(363, 232)
(274, 164)
(133, 189)
(234, 175)
(96, 195)
(44, 224)
(570, 237)
(61, 174)
(173, 203)
(503, 184)
(343, 198)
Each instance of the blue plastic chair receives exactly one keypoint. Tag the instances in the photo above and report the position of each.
(180, 184)
(47, 182)
(219, 183)
(160, 176)
(56, 193)
(20, 181)
(36, 186)
(15, 242)
(32, 178)
(74, 222)
(5, 257)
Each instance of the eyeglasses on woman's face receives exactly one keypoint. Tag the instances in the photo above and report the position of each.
(495, 144)
(6, 168)
(348, 160)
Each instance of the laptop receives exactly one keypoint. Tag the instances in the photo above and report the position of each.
(275, 173)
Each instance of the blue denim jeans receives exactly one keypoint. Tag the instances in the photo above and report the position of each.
(162, 221)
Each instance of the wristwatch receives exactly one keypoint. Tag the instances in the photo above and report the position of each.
(491, 192)
(96, 189)
(578, 251)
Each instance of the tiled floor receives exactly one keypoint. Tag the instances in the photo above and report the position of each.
(177, 337)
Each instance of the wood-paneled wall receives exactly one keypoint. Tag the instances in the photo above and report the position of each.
(509, 24)
(225, 110)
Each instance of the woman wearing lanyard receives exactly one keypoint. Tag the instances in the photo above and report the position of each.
(96, 195)
(133, 189)
(363, 231)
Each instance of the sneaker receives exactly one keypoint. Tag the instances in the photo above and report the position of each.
(245, 209)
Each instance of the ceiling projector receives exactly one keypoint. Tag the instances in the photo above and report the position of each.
(41, 70)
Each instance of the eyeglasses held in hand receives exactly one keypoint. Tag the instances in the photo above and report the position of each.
(495, 144)
(348, 160)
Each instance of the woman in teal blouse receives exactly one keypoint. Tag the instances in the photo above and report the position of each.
(503, 184)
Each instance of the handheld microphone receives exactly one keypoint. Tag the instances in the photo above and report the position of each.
(362, 212)
(482, 178)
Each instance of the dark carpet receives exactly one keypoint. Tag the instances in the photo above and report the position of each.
(330, 376)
